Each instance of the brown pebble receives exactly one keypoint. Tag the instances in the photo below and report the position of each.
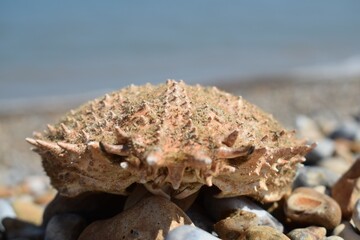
(28, 211)
(151, 218)
(309, 233)
(264, 233)
(234, 226)
(346, 191)
(5, 192)
(306, 206)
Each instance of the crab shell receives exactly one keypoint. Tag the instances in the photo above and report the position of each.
(173, 138)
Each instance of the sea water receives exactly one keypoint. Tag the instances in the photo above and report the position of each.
(73, 47)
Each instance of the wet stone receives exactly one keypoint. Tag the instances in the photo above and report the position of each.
(306, 206)
(151, 218)
(309, 233)
(188, 232)
(65, 226)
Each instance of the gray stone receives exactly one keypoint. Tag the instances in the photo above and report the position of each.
(324, 148)
(356, 214)
(346, 231)
(187, 232)
(6, 210)
(220, 208)
(311, 176)
(348, 130)
(65, 226)
(18, 229)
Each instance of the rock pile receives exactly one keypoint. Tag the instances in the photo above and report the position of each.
(324, 204)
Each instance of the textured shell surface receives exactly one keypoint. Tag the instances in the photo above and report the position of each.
(172, 138)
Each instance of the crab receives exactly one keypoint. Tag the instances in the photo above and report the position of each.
(173, 139)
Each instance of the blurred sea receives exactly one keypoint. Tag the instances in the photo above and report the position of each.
(56, 48)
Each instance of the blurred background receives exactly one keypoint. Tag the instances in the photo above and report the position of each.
(288, 57)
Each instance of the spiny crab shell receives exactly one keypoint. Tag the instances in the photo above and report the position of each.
(173, 139)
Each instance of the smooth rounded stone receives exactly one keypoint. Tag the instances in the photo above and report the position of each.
(65, 226)
(307, 128)
(264, 233)
(309, 233)
(18, 229)
(6, 210)
(333, 238)
(306, 206)
(234, 226)
(346, 191)
(356, 215)
(220, 208)
(27, 210)
(346, 231)
(91, 206)
(347, 130)
(311, 176)
(335, 164)
(188, 232)
(324, 148)
(151, 218)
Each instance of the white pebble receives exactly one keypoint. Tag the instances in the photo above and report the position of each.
(356, 215)
(5, 211)
(187, 232)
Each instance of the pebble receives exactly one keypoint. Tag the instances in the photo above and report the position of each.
(18, 229)
(65, 226)
(346, 231)
(348, 130)
(91, 206)
(333, 238)
(356, 214)
(151, 218)
(324, 148)
(311, 176)
(336, 165)
(309, 207)
(6, 210)
(27, 210)
(188, 232)
(264, 233)
(234, 226)
(220, 208)
(346, 191)
(309, 233)
(308, 128)
(36, 185)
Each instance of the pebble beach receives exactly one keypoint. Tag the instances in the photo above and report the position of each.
(324, 203)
